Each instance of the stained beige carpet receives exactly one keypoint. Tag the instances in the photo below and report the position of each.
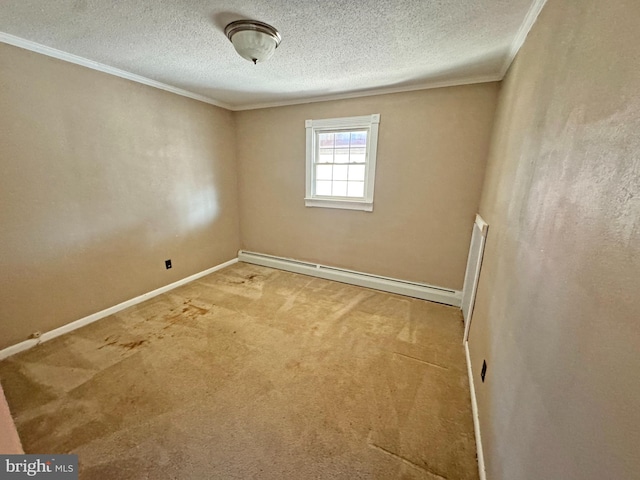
(254, 373)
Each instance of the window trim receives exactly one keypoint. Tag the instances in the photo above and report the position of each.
(313, 127)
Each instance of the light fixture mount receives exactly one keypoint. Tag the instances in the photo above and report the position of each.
(256, 41)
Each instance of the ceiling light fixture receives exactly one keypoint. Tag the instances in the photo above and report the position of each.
(253, 40)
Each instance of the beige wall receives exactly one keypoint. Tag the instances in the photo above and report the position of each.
(101, 180)
(432, 150)
(558, 309)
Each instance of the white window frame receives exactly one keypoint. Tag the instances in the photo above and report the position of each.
(364, 122)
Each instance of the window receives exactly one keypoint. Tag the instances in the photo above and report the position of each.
(341, 162)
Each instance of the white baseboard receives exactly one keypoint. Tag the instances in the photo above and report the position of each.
(476, 419)
(386, 284)
(27, 344)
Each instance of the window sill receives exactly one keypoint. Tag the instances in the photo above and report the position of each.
(344, 204)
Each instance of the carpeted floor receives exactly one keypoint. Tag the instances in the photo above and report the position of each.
(254, 373)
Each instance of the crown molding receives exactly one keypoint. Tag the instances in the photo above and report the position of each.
(372, 92)
(526, 26)
(85, 62)
(517, 43)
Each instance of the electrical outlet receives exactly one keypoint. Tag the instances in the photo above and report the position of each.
(167, 263)
(484, 370)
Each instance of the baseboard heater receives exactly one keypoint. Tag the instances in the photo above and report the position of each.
(386, 284)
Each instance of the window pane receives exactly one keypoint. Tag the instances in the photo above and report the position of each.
(338, 157)
(355, 189)
(325, 155)
(340, 189)
(323, 187)
(342, 155)
(356, 172)
(342, 139)
(323, 172)
(325, 140)
(358, 155)
(359, 139)
(340, 172)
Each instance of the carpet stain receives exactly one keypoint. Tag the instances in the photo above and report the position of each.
(132, 345)
(292, 364)
(280, 377)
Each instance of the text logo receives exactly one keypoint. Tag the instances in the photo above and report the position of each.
(49, 467)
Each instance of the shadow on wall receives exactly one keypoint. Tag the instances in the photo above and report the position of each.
(73, 282)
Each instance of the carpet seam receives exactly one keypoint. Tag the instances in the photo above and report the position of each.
(406, 461)
(421, 361)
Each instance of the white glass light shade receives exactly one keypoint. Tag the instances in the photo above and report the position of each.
(253, 40)
(254, 46)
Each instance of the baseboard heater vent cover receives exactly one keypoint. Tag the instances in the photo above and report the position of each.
(386, 284)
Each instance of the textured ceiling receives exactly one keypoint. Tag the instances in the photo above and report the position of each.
(329, 48)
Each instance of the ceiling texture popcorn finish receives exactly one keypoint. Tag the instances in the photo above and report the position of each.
(330, 49)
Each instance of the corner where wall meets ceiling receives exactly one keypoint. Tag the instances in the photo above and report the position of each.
(350, 50)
